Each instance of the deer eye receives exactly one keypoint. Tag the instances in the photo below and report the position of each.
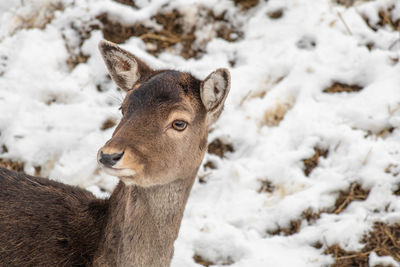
(179, 125)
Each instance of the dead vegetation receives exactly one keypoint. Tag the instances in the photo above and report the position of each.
(107, 124)
(354, 193)
(210, 165)
(275, 14)
(266, 186)
(397, 191)
(311, 163)
(309, 216)
(246, 4)
(347, 258)
(176, 33)
(383, 240)
(385, 132)
(15, 165)
(12, 164)
(394, 170)
(293, 228)
(202, 261)
(219, 148)
(349, 3)
(7, 163)
(387, 18)
(74, 49)
(338, 87)
(41, 14)
(273, 116)
(127, 2)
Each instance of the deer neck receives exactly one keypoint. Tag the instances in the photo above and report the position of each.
(143, 224)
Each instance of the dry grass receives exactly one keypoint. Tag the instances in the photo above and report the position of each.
(107, 124)
(219, 148)
(354, 193)
(386, 18)
(246, 4)
(118, 33)
(397, 191)
(202, 261)
(38, 18)
(349, 3)
(347, 258)
(174, 31)
(394, 170)
(210, 165)
(158, 41)
(266, 187)
(383, 240)
(311, 163)
(385, 132)
(273, 116)
(308, 215)
(338, 87)
(76, 56)
(275, 14)
(127, 2)
(8, 163)
(292, 229)
(75, 59)
(12, 165)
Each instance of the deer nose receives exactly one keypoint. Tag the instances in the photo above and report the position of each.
(110, 160)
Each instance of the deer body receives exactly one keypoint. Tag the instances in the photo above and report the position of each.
(155, 150)
(45, 223)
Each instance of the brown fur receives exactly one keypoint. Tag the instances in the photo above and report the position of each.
(45, 223)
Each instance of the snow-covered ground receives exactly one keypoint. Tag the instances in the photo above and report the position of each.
(280, 110)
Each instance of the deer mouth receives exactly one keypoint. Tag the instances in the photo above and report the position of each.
(124, 172)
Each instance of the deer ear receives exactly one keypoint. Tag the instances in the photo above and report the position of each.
(213, 92)
(125, 69)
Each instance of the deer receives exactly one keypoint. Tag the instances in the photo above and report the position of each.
(156, 151)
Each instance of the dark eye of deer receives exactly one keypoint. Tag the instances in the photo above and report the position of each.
(179, 125)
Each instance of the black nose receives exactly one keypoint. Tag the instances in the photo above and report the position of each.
(110, 160)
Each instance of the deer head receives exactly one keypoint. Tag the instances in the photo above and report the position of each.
(162, 135)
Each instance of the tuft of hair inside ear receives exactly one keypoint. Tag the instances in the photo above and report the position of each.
(213, 92)
(215, 87)
(125, 68)
(122, 66)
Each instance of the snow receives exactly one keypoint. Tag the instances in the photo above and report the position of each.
(375, 260)
(50, 116)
